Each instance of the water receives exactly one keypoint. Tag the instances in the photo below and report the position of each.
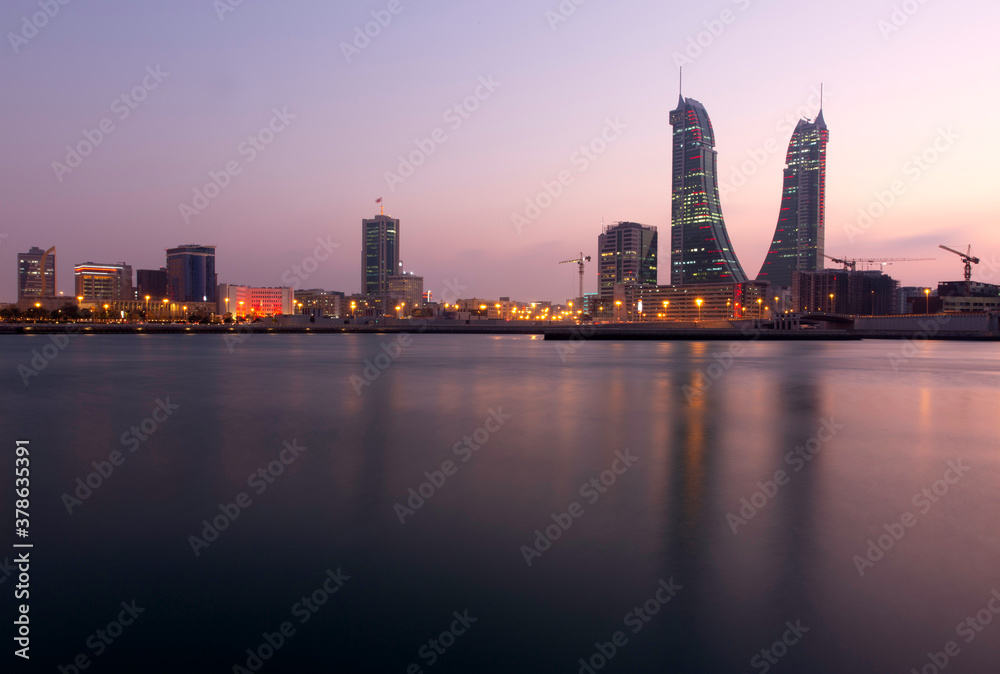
(892, 425)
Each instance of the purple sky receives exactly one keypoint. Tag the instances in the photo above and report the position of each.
(890, 96)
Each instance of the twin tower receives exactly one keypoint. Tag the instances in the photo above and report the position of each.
(699, 244)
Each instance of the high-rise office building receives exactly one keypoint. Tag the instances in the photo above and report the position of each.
(151, 283)
(191, 273)
(626, 254)
(379, 253)
(36, 274)
(797, 244)
(700, 249)
(103, 281)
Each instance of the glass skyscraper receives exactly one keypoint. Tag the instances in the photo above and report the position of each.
(379, 254)
(700, 250)
(191, 273)
(797, 244)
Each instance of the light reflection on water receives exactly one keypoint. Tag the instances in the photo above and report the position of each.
(699, 455)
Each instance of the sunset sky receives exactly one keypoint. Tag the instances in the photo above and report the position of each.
(898, 87)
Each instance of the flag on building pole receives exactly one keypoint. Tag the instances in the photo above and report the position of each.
(381, 209)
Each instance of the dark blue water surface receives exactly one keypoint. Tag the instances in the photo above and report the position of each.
(884, 423)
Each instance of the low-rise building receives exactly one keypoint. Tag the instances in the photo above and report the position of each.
(99, 282)
(250, 302)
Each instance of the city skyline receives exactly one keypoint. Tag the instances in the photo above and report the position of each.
(519, 121)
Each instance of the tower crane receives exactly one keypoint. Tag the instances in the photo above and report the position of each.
(853, 264)
(969, 260)
(579, 261)
(848, 264)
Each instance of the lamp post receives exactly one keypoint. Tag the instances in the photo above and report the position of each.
(759, 303)
(618, 311)
(775, 304)
(927, 301)
(831, 303)
(699, 302)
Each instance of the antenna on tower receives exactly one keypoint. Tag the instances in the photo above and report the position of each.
(680, 82)
(821, 97)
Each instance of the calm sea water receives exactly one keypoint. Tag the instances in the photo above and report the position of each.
(883, 425)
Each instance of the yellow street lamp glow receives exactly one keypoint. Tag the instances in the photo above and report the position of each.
(79, 298)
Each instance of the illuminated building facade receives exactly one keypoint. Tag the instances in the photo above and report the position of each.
(36, 274)
(379, 254)
(407, 288)
(191, 273)
(626, 254)
(700, 250)
(94, 282)
(329, 302)
(708, 301)
(798, 242)
(248, 302)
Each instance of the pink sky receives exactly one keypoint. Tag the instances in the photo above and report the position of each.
(890, 96)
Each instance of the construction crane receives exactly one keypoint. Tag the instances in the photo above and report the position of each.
(848, 264)
(579, 260)
(853, 264)
(969, 261)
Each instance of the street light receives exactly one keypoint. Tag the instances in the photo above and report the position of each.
(927, 301)
(618, 311)
(699, 302)
(759, 302)
(831, 303)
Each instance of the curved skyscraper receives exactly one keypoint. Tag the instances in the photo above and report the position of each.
(798, 237)
(700, 250)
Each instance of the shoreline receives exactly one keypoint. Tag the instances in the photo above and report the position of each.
(628, 332)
